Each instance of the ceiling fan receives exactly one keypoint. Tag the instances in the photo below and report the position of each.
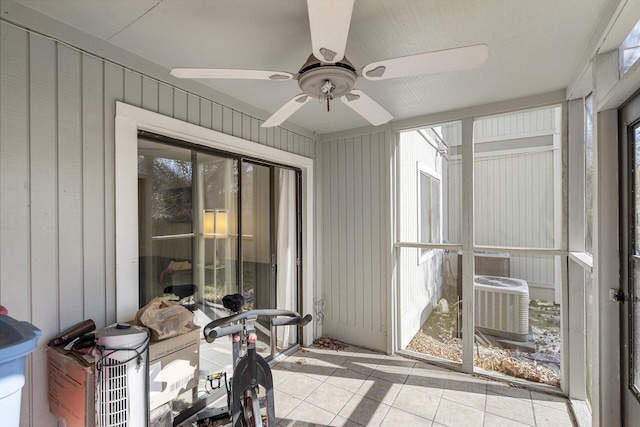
(327, 74)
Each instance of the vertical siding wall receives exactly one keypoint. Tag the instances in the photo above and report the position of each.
(353, 217)
(57, 229)
(420, 278)
(514, 189)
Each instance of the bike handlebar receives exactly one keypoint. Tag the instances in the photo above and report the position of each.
(215, 328)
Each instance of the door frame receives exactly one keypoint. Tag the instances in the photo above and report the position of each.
(129, 120)
(629, 119)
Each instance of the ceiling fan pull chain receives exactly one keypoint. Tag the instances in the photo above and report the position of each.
(327, 89)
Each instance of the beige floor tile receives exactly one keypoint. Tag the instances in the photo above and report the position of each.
(306, 414)
(396, 364)
(509, 407)
(491, 420)
(430, 373)
(431, 370)
(280, 375)
(329, 397)
(294, 363)
(284, 404)
(318, 371)
(549, 417)
(394, 370)
(365, 388)
(390, 376)
(366, 412)
(552, 401)
(364, 365)
(336, 358)
(430, 381)
(466, 395)
(508, 390)
(346, 379)
(299, 386)
(379, 390)
(464, 380)
(339, 421)
(421, 404)
(398, 418)
(454, 414)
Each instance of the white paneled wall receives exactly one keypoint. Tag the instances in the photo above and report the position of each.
(57, 110)
(515, 197)
(420, 277)
(354, 252)
(516, 125)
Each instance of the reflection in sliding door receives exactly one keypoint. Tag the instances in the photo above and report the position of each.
(256, 246)
(270, 247)
(286, 252)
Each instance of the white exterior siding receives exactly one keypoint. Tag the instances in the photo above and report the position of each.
(353, 235)
(57, 187)
(420, 278)
(516, 203)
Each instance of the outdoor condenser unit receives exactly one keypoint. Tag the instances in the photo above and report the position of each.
(502, 307)
(122, 375)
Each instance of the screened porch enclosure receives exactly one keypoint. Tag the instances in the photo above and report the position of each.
(515, 236)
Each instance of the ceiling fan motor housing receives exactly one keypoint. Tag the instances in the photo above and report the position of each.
(314, 74)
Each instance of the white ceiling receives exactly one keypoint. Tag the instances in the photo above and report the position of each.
(535, 46)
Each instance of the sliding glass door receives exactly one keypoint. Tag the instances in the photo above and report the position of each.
(270, 250)
(212, 224)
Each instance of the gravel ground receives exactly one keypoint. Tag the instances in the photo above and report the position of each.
(436, 339)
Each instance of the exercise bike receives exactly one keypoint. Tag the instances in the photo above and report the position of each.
(245, 406)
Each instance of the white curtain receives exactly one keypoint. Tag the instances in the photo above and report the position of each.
(286, 253)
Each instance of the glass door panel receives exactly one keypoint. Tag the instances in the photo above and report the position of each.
(287, 254)
(629, 117)
(166, 236)
(217, 197)
(634, 287)
(257, 243)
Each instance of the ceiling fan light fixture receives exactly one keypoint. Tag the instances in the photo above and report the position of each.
(314, 78)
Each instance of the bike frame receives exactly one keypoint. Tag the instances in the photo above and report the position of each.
(250, 370)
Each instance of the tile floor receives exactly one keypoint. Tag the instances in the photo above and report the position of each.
(357, 387)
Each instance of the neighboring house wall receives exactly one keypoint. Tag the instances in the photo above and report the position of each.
(420, 272)
(353, 184)
(57, 111)
(515, 206)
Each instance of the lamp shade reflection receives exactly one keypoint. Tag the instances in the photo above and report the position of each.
(216, 223)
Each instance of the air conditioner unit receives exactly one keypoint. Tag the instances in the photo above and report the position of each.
(122, 370)
(502, 307)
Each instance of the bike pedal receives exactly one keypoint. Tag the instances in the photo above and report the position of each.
(215, 376)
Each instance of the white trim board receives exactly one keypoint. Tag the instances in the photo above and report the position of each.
(129, 120)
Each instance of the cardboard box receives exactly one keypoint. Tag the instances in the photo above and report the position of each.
(71, 387)
(174, 367)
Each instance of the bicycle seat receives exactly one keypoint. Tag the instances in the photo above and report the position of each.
(233, 302)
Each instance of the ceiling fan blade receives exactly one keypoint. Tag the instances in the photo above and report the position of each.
(286, 110)
(461, 58)
(329, 21)
(223, 73)
(362, 104)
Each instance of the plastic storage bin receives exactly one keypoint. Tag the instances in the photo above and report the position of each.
(17, 339)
